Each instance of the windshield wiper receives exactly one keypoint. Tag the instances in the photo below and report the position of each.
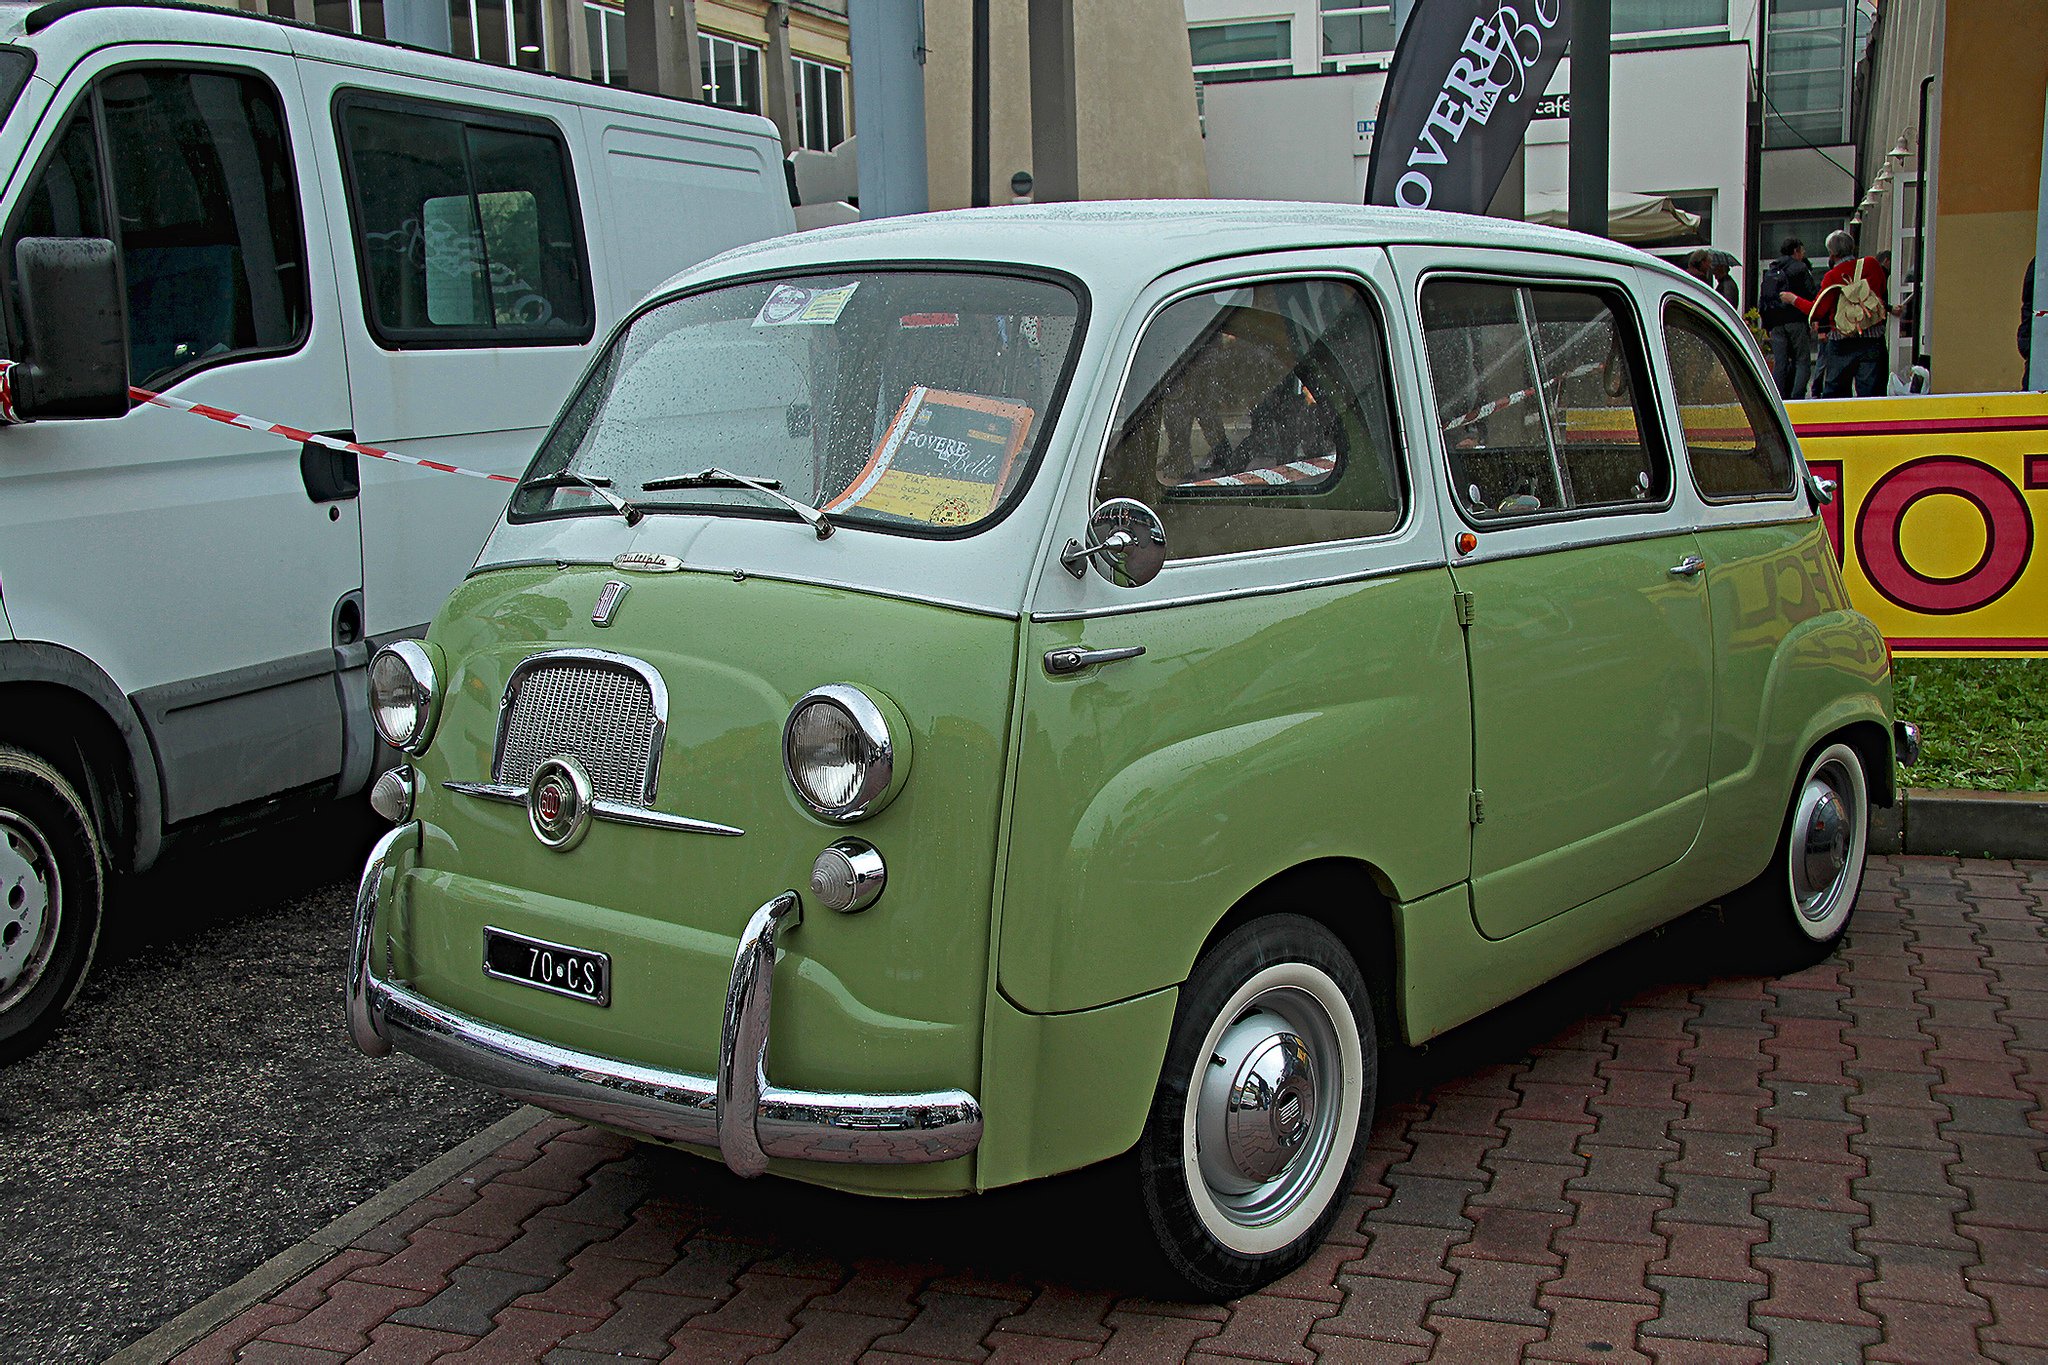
(598, 485)
(715, 477)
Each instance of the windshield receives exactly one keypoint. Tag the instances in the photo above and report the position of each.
(908, 400)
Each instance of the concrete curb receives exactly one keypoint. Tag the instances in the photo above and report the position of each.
(1973, 824)
(294, 1262)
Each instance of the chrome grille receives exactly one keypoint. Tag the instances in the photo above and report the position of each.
(601, 711)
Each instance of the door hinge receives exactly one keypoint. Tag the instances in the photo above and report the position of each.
(1465, 609)
(1478, 807)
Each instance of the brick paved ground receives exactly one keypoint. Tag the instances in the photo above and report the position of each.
(1694, 1165)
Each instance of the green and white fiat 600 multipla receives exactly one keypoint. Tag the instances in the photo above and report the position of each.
(959, 698)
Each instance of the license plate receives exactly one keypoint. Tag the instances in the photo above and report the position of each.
(579, 973)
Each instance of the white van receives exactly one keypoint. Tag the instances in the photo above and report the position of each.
(348, 237)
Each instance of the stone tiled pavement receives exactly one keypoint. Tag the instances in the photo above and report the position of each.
(1693, 1164)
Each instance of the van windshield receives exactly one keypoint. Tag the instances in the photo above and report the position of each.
(906, 400)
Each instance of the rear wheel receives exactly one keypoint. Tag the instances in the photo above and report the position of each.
(51, 888)
(1799, 908)
(1262, 1108)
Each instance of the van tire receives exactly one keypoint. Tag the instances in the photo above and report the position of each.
(52, 893)
(1233, 1203)
(1797, 911)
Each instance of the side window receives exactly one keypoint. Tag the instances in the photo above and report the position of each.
(1733, 440)
(1540, 398)
(1258, 417)
(466, 227)
(198, 177)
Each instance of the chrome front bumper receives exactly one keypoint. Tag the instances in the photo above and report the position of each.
(1906, 742)
(738, 1111)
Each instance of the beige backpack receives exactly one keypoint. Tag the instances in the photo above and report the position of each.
(1857, 306)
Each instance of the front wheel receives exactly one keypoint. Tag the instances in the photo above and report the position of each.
(50, 898)
(1262, 1107)
(1799, 908)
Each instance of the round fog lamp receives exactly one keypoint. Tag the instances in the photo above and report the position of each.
(391, 796)
(403, 688)
(848, 876)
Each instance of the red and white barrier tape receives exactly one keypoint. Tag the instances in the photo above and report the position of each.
(264, 427)
(1486, 410)
(260, 425)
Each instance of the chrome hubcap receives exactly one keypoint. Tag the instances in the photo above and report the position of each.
(1823, 832)
(29, 906)
(1266, 1112)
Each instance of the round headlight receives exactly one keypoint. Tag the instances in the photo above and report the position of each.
(403, 693)
(845, 754)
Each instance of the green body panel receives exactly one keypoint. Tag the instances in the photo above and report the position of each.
(889, 999)
(1060, 1091)
(1254, 734)
(1795, 664)
(1592, 693)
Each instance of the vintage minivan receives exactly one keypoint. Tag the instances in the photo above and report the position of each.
(369, 242)
(961, 698)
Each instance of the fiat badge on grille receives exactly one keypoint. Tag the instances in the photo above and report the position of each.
(558, 803)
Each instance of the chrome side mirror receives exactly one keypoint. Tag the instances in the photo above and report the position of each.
(1822, 491)
(1127, 544)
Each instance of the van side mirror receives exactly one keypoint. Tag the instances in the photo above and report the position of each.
(1127, 544)
(74, 321)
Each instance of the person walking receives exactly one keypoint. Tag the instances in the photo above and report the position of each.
(1849, 313)
(1791, 337)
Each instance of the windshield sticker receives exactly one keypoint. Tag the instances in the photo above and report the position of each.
(944, 460)
(799, 303)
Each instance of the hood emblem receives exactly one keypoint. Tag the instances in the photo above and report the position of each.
(559, 803)
(608, 599)
(646, 561)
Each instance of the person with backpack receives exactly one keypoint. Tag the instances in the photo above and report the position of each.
(1848, 313)
(1791, 338)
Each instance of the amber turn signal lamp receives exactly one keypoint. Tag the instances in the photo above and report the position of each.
(1467, 542)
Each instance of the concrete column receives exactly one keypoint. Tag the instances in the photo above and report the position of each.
(689, 51)
(1055, 138)
(302, 11)
(651, 49)
(778, 82)
(421, 23)
(887, 37)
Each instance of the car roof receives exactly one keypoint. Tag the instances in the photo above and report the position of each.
(1141, 239)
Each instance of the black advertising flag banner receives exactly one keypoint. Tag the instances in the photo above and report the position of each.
(1466, 78)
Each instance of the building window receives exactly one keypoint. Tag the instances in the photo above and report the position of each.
(1241, 52)
(820, 104)
(607, 31)
(1677, 246)
(507, 32)
(1356, 35)
(346, 16)
(1807, 64)
(1669, 23)
(731, 72)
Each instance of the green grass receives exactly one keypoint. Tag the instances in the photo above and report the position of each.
(1983, 722)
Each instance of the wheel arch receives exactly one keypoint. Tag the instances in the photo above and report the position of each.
(1351, 898)
(58, 703)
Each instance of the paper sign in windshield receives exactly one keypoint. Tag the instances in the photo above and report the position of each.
(800, 303)
(944, 461)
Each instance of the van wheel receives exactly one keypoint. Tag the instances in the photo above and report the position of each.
(1799, 908)
(1262, 1107)
(51, 889)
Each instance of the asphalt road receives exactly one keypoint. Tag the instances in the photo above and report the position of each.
(202, 1108)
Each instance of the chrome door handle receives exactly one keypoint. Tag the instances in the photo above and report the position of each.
(1061, 662)
(1687, 567)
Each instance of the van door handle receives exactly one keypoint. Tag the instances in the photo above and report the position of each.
(1061, 662)
(330, 475)
(1687, 567)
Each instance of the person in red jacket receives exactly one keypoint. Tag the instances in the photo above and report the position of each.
(1850, 360)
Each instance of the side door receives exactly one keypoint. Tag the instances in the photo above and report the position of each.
(1590, 644)
(469, 307)
(1298, 690)
(211, 571)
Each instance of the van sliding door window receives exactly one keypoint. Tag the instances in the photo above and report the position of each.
(466, 226)
(1732, 438)
(197, 174)
(1540, 398)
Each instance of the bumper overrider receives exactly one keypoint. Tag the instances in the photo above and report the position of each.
(738, 1111)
